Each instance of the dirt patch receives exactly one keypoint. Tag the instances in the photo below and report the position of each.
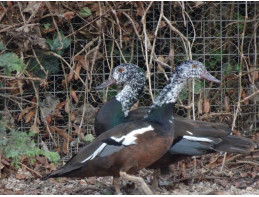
(183, 178)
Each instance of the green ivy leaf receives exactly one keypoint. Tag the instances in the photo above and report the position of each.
(49, 62)
(197, 87)
(11, 62)
(85, 12)
(57, 46)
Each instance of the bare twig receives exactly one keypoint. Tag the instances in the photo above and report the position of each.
(88, 45)
(55, 24)
(118, 23)
(240, 84)
(41, 67)
(248, 162)
(255, 93)
(38, 174)
(22, 78)
(156, 31)
(146, 44)
(60, 57)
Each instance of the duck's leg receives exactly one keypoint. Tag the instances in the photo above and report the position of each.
(138, 180)
(154, 186)
(116, 184)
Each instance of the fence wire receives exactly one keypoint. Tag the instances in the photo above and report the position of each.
(225, 39)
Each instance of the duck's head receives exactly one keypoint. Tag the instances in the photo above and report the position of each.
(128, 74)
(195, 70)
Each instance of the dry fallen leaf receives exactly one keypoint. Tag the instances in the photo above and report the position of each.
(183, 169)
(52, 166)
(20, 176)
(70, 76)
(52, 129)
(78, 69)
(162, 24)
(42, 160)
(35, 129)
(171, 53)
(68, 15)
(63, 134)
(206, 108)
(140, 8)
(74, 96)
(65, 146)
(29, 116)
(48, 119)
(200, 105)
(60, 105)
(67, 106)
(25, 111)
(73, 116)
(243, 95)
(226, 104)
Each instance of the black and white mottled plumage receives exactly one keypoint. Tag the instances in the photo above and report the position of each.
(133, 86)
(187, 69)
(123, 101)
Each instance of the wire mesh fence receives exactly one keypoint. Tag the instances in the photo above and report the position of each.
(222, 35)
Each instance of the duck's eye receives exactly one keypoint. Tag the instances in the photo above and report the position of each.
(120, 69)
(194, 66)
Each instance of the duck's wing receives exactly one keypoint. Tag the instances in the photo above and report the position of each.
(199, 138)
(106, 144)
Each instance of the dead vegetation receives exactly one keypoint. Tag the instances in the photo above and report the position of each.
(53, 54)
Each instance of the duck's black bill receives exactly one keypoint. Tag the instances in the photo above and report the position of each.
(209, 77)
(106, 84)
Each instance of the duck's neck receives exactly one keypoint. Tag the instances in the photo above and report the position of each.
(162, 109)
(130, 94)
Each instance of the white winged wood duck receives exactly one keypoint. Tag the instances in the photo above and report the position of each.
(192, 138)
(129, 147)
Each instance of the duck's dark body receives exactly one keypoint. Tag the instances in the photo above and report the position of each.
(109, 116)
(219, 134)
(115, 156)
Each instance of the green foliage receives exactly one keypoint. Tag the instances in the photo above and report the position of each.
(57, 46)
(2, 47)
(46, 26)
(17, 144)
(11, 62)
(85, 12)
(126, 53)
(198, 86)
(213, 63)
(50, 63)
(89, 138)
(228, 69)
(52, 156)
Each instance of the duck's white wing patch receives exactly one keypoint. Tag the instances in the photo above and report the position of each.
(199, 139)
(130, 138)
(96, 152)
(106, 149)
(189, 132)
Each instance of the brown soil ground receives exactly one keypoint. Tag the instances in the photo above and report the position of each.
(239, 176)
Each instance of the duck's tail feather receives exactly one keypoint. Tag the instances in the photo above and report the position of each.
(235, 144)
(65, 171)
